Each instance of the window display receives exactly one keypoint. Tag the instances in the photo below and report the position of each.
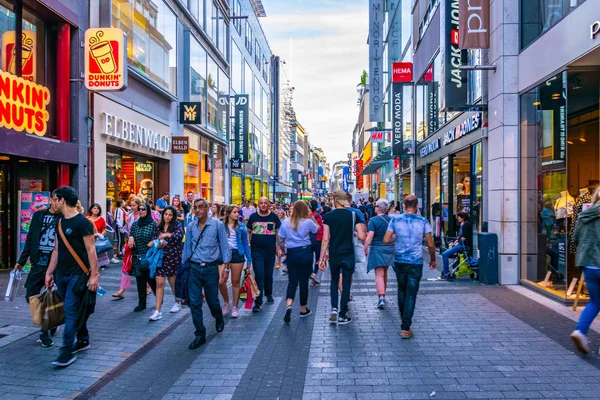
(127, 175)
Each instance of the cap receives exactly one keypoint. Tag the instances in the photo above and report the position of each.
(341, 197)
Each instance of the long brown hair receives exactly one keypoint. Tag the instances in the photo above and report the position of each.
(301, 211)
(225, 220)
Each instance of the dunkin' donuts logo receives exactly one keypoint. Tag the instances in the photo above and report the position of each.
(105, 68)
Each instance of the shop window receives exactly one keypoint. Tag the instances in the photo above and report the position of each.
(129, 174)
(206, 169)
(436, 213)
(212, 87)
(198, 59)
(218, 175)
(248, 81)
(191, 169)
(222, 123)
(151, 29)
(196, 8)
(236, 189)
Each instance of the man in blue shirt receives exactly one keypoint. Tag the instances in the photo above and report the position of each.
(163, 202)
(408, 230)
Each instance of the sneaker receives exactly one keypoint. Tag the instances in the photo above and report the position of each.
(176, 307)
(581, 342)
(156, 315)
(334, 316)
(235, 313)
(114, 260)
(270, 300)
(256, 308)
(315, 279)
(344, 319)
(381, 303)
(81, 345)
(45, 341)
(406, 334)
(288, 315)
(225, 309)
(305, 314)
(64, 360)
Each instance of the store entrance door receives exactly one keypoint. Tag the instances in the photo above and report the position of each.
(5, 217)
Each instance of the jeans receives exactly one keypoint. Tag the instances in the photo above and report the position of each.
(409, 278)
(450, 252)
(141, 281)
(299, 270)
(316, 251)
(336, 266)
(65, 285)
(206, 278)
(589, 313)
(263, 262)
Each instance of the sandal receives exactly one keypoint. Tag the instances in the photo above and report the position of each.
(119, 296)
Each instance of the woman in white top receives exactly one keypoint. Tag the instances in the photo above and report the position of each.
(294, 236)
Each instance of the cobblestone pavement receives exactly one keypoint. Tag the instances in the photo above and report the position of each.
(471, 341)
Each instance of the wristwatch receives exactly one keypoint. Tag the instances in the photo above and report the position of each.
(227, 269)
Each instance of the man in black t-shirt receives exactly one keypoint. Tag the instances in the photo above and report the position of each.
(38, 249)
(66, 269)
(263, 227)
(338, 233)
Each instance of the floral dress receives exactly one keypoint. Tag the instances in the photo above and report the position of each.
(142, 235)
(172, 252)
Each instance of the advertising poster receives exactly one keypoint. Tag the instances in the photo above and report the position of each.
(29, 203)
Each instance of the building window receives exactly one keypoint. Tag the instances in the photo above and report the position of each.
(151, 29)
(249, 37)
(256, 96)
(212, 87)
(475, 84)
(248, 81)
(196, 8)
(223, 31)
(539, 16)
(237, 12)
(198, 58)
(223, 122)
(237, 69)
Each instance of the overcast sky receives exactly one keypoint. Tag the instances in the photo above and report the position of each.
(329, 53)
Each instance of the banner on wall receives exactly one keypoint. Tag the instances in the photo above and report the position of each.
(474, 24)
(29, 203)
(432, 107)
(397, 116)
(241, 127)
(376, 21)
(455, 80)
(28, 54)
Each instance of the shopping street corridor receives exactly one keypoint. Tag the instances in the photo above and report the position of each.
(471, 341)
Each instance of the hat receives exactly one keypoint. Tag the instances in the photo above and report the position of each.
(341, 197)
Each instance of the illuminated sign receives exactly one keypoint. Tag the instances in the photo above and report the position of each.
(105, 59)
(377, 137)
(23, 105)
(139, 167)
(28, 55)
(131, 132)
(402, 72)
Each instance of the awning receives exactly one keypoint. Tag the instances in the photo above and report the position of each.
(382, 158)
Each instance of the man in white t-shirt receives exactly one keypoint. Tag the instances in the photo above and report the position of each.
(248, 210)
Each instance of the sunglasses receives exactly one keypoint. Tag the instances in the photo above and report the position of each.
(141, 209)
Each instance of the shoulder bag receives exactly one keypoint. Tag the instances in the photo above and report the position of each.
(359, 247)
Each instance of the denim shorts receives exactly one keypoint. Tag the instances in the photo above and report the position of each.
(236, 258)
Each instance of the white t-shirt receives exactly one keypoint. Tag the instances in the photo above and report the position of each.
(300, 237)
(232, 238)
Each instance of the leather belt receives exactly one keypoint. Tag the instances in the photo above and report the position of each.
(208, 264)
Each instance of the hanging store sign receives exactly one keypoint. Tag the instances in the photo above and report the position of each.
(376, 22)
(360, 165)
(432, 106)
(105, 59)
(345, 179)
(28, 54)
(377, 137)
(236, 163)
(241, 127)
(474, 24)
(595, 29)
(223, 114)
(180, 145)
(455, 80)
(397, 115)
(190, 113)
(120, 128)
(430, 148)
(23, 105)
(208, 163)
(402, 72)
(467, 126)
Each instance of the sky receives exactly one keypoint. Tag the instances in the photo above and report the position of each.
(328, 54)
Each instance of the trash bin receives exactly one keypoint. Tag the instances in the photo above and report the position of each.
(488, 258)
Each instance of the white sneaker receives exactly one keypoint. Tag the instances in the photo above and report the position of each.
(176, 307)
(235, 313)
(156, 315)
(333, 318)
(114, 260)
(581, 342)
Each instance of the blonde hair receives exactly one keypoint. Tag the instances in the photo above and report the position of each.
(301, 211)
(137, 200)
(79, 207)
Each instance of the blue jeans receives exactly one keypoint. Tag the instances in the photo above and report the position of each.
(336, 267)
(263, 262)
(206, 278)
(65, 285)
(409, 278)
(592, 281)
(450, 252)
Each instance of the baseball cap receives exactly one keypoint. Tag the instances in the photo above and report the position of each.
(341, 197)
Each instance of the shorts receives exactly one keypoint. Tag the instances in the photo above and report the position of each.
(236, 258)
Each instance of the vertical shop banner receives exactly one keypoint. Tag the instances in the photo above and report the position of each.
(28, 54)
(559, 130)
(29, 203)
(105, 59)
(394, 36)
(397, 116)
(432, 107)
(223, 115)
(345, 174)
(241, 127)
(455, 80)
(376, 21)
(474, 24)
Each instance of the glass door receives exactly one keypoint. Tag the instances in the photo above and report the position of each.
(5, 216)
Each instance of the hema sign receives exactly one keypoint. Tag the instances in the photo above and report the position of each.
(474, 25)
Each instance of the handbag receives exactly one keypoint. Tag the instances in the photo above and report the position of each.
(359, 247)
(143, 262)
(53, 310)
(103, 245)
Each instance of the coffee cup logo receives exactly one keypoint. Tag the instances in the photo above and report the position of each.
(26, 53)
(102, 52)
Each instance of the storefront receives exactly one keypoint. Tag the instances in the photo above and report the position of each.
(203, 171)
(451, 166)
(131, 153)
(41, 121)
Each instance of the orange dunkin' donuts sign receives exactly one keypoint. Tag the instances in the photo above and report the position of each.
(105, 59)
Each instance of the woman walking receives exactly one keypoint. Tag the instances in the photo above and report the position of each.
(237, 237)
(142, 233)
(170, 232)
(381, 255)
(179, 208)
(133, 216)
(294, 236)
(587, 232)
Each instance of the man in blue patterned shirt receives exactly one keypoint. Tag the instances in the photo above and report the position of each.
(408, 231)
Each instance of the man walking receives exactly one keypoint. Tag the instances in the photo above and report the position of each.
(74, 268)
(188, 204)
(263, 227)
(339, 226)
(206, 248)
(247, 211)
(38, 249)
(408, 230)
(163, 202)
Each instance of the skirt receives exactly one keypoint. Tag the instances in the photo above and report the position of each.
(380, 256)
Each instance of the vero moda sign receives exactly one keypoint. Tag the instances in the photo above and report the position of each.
(402, 73)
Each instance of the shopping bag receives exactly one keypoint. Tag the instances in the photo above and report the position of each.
(13, 285)
(53, 310)
(103, 245)
(249, 298)
(253, 286)
(36, 309)
(103, 259)
(127, 260)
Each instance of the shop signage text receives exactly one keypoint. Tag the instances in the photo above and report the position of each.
(223, 113)
(208, 167)
(430, 148)
(376, 21)
(105, 59)
(402, 72)
(469, 125)
(139, 167)
(595, 29)
(190, 113)
(432, 106)
(377, 137)
(455, 84)
(474, 24)
(236, 163)
(241, 143)
(130, 132)
(180, 145)
(397, 116)
(23, 105)
(28, 54)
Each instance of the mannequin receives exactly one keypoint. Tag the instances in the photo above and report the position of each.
(563, 206)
